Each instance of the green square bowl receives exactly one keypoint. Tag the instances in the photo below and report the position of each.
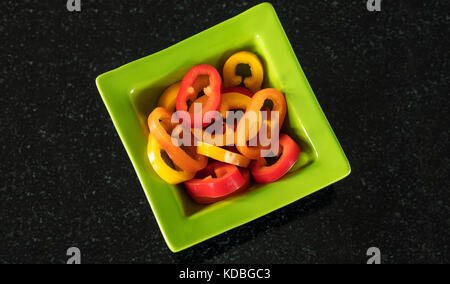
(131, 92)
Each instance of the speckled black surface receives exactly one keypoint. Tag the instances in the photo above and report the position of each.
(382, 79)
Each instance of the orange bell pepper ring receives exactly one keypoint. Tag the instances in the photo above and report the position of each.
(233, 101)
(190, 162)
(252, 82)
(251, 152)
(254, 152)
(252, 116)
(251, 123)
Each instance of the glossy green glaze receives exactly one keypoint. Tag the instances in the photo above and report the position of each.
(131, 92)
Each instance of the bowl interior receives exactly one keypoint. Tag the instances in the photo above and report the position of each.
(145, 97)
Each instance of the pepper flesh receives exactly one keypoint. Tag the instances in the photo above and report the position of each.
(222, 155)
(248, 128)
(217, 180)
(257, 103)
(233, 101)
(252, 82)
(201, 77)
(206, 200)
(180, 157)
(237, 89)
(226, 137)
(289, 155)
(251, 152)
(168, 98)
(230, 101)
(166, 172)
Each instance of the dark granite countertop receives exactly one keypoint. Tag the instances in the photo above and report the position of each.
(381, 78)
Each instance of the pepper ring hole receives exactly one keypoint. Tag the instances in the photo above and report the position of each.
(243, 70)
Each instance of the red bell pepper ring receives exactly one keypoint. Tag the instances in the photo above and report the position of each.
(237, 89)
(201, 77)
(208, 200)
(289, 155)
(216, 182)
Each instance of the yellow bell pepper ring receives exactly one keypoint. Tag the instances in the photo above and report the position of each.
(252, 82)
(168, 99)
(166, 172)
(233, 101)
(222, 155)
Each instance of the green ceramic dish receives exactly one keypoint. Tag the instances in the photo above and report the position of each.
(131, 92)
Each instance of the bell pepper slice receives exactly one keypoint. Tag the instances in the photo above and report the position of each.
(191, 162)
(251, 152)
(232, 101)
(167, 173)
(254, 152)
(237, 89)
(207, 200)
(168, 98)
(201, 77)
(289, 154)
(256, 105)
(217, 180)
(222, 155)
(227, 136)
(252, 82)
(202, 100)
